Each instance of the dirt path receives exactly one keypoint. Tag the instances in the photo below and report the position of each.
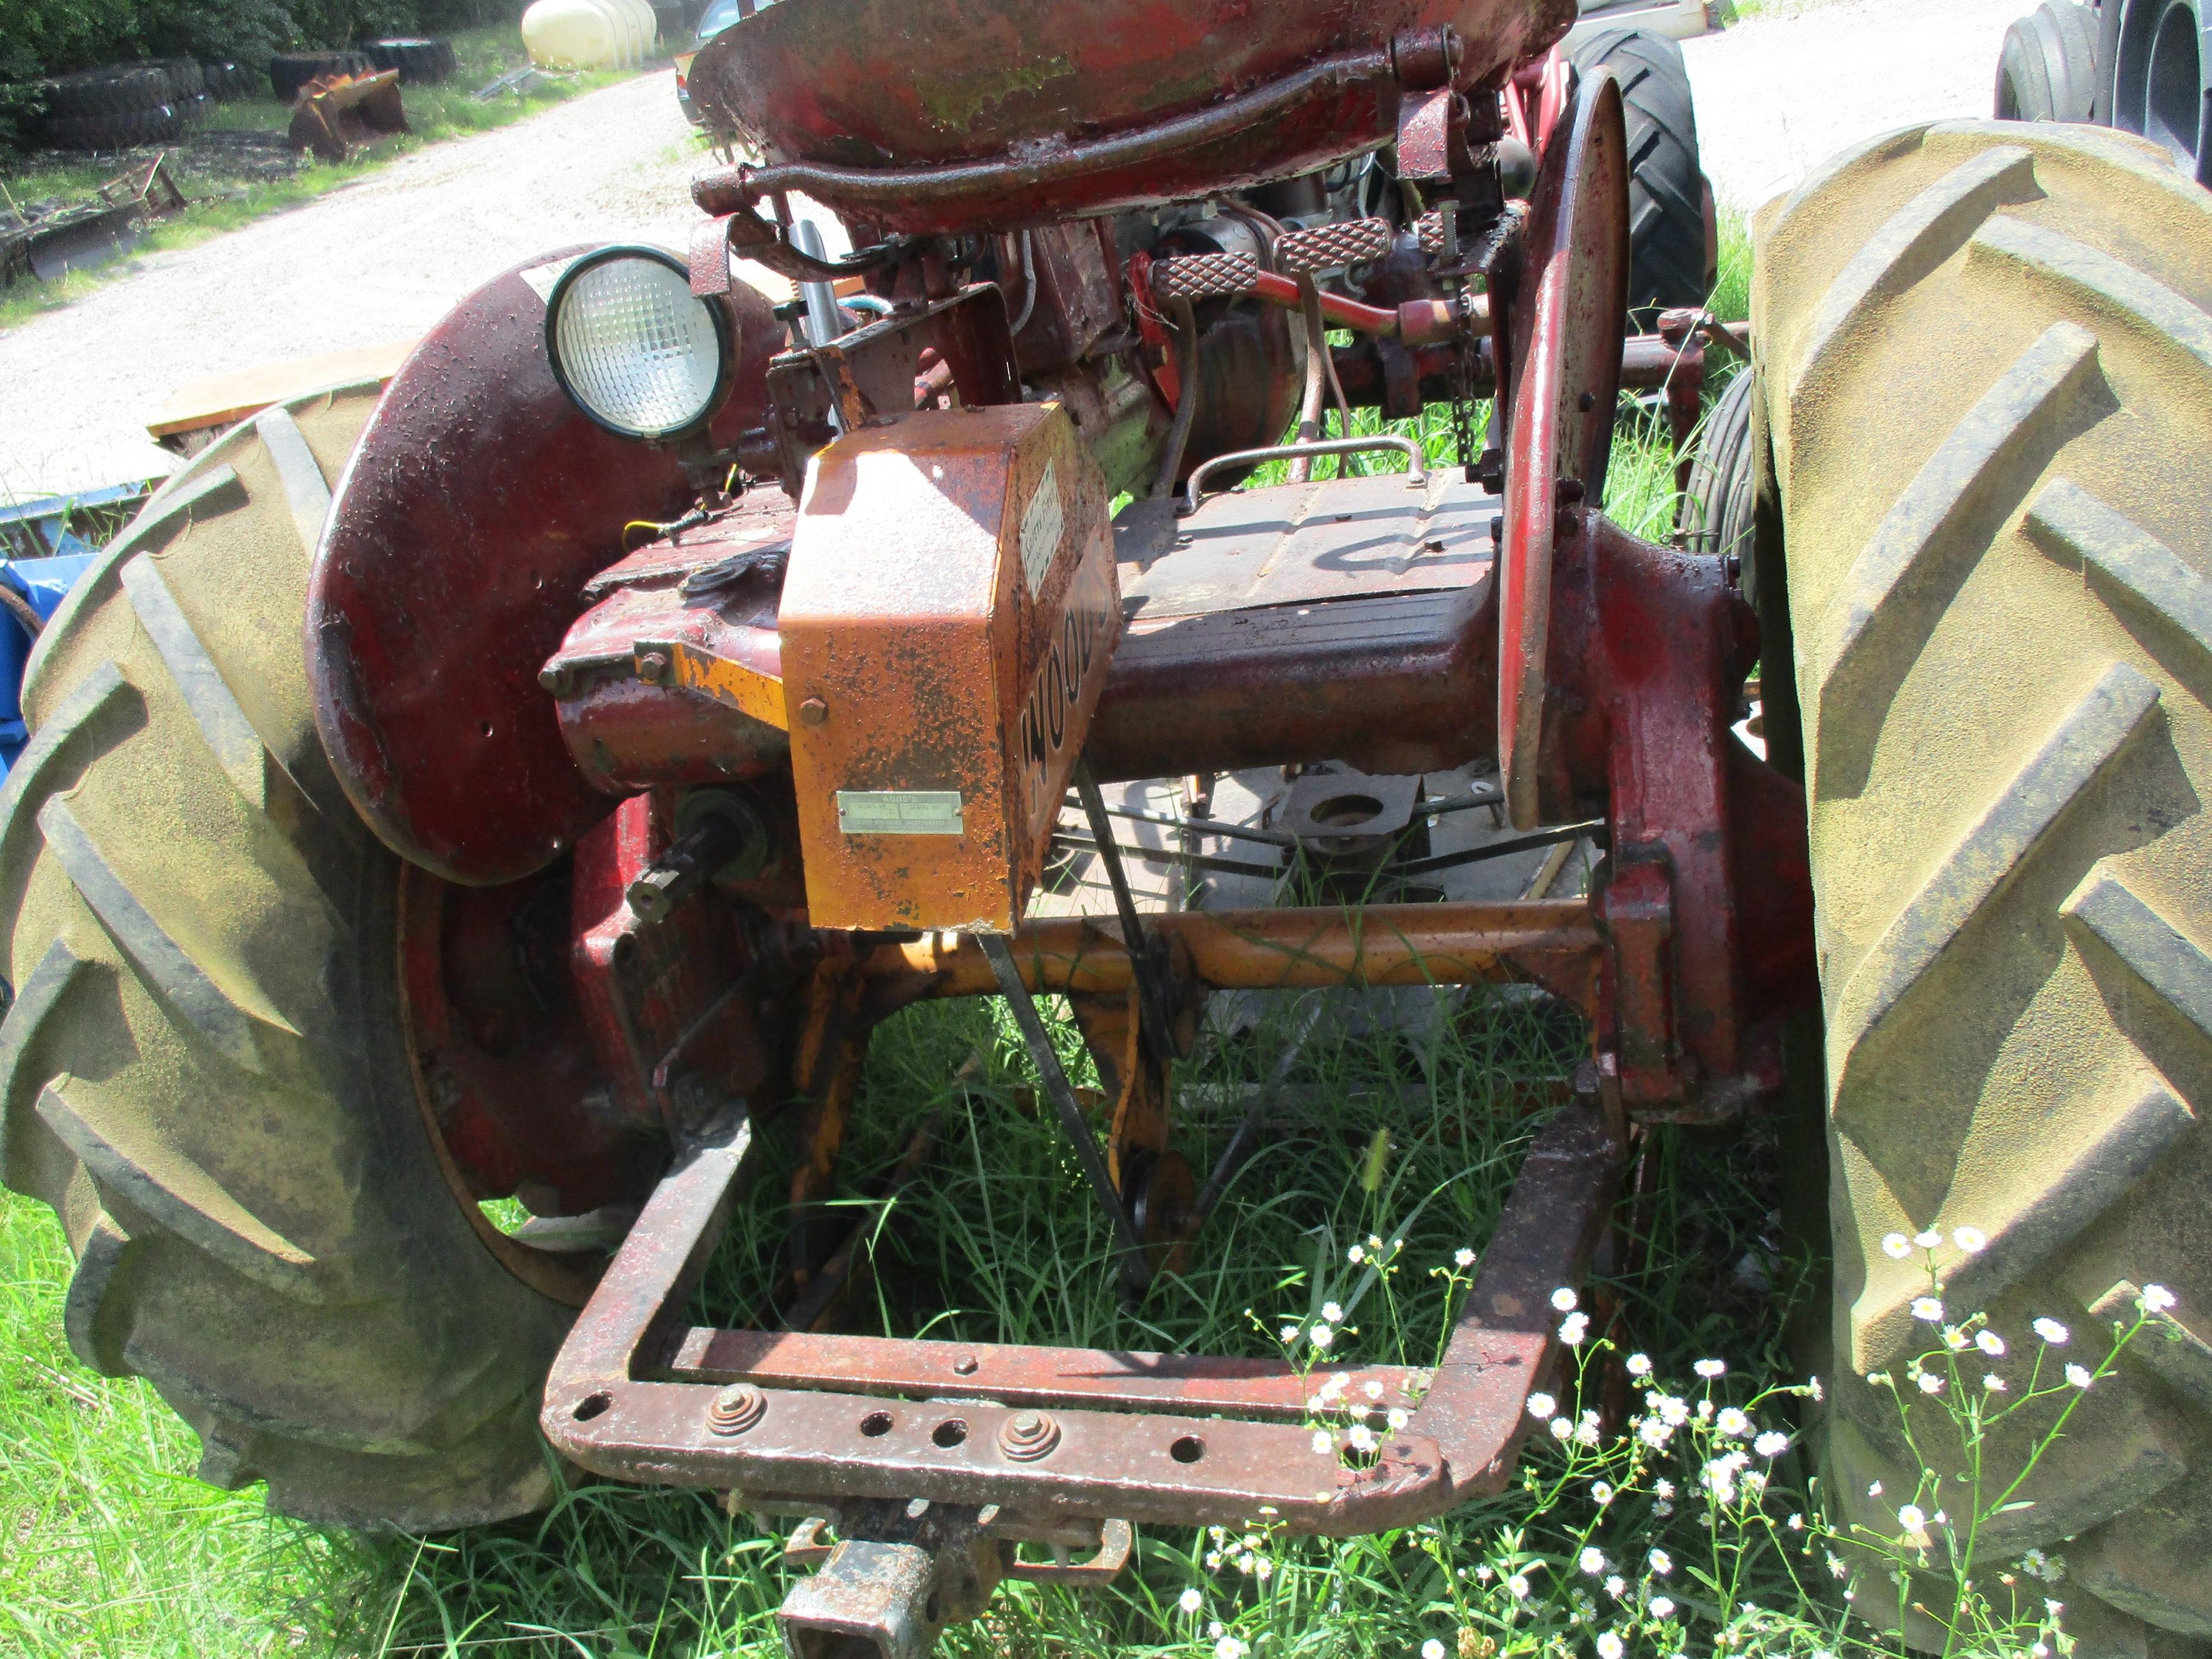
(382, 259)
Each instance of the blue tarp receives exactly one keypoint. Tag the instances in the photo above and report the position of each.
(43, 582)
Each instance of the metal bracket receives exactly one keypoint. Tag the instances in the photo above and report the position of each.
(792, 1417)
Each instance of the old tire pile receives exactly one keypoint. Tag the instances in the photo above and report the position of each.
(423, 63)
(289, 71)
(108, 109)
(2047, 71)
(1670, 263)
(199, 920)
(2001, 611)
(230, 83)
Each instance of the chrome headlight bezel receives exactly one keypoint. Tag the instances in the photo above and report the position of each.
(563, 294)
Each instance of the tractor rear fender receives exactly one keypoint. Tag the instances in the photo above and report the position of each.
(456, 548)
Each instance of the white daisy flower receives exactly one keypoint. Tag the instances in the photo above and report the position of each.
(1542, 1406)
(1660, 1562)
(1574, 1328)
(1929, 1308)
(1371, 1389)
(2079, 1376)
(1732, 1422)
(1190, 1601)
(1709, 1369)
(1663, 1607)
(1989, 1342)
(1332, 1311)
(1910, 1516)
(1972, 1240)
(1518, 1584)
(1289, 1334)
(1322, 1444)
(1897, 1246)
(1929, 1383)
(1609, 1646)
(1639, 1364)
(1994, 1383)
(1562, 1429)
(1355, 1254)
(1321, 1336)
(1591, 1560)
(1563, 1300)
(1432, 1649)
(2052, 1331)
(1927, 1239)
(1772, 1443)
(1397, 1417)
(1463, 1257)
(2157, 1298)
(1229, 1648)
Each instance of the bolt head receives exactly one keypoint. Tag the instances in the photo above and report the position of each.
(1028, 1436)
(737, 1408)
(813, 712)
(653, 667)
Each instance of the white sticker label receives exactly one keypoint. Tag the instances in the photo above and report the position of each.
(900, 812)
(1043, 521)
(542, 278)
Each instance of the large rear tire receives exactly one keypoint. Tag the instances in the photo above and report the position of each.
(1987, 378)
(205, 1070)
(1670, 237)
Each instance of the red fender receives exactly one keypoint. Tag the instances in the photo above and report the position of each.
(478, 505)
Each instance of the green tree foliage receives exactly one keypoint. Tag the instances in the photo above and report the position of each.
(53, 37)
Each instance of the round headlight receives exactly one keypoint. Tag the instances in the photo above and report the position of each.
(632, 347)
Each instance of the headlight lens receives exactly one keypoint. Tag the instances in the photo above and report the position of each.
(632, 347)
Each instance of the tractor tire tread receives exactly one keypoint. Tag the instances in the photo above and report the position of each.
(205, 1072)
(2002, 613)
(2047, 67)
(1665, 184)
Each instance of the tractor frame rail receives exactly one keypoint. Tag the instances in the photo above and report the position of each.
(799, 1422)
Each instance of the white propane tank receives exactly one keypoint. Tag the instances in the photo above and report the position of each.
(580, 34)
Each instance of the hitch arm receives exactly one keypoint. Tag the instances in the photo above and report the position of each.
(1177, 1440)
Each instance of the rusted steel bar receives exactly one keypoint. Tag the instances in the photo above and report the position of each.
(1026, 182)
(1648, 363)
(1269, 949)
(1093, 1378)
(797, 1427)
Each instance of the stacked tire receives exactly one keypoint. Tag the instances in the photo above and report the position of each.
(289, 71)
(113, 108)
(188, 90)
(230, 83)
(421, 63)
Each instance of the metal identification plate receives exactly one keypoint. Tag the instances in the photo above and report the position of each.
(900, 812)
(1042, 522)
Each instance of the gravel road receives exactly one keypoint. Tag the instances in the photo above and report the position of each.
(381, 259)
(1779, 94)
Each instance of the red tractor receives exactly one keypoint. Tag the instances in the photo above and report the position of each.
(528, 780)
